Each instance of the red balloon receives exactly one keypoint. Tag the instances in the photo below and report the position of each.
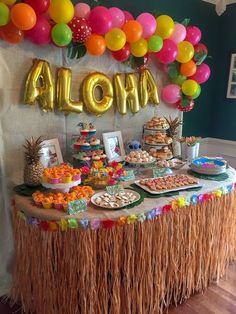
(122, 54)
(188, 108)
(11, 33)
(40, 34)
(200, 52)
(39, 6)
(81, 31)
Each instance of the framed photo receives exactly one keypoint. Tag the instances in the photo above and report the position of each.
(51, 153)
(114, 146)
(231, 91)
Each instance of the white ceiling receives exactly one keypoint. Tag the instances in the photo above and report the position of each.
(221, 5)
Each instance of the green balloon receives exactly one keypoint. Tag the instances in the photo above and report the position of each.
(198, 92)
(4, 14)
(61, 34)
(178, 79)
(155, 43)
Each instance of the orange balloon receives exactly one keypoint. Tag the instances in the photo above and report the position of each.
(133, 31)
(23, 16)
(11, 34)
(96, 45)
(188, 69)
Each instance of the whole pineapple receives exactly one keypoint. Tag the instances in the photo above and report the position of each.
(33, 169)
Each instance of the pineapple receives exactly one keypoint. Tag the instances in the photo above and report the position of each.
(33, 169)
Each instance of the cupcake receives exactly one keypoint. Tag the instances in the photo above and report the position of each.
(77, 145)
(76, 176)
(47, 203)
(95, 144)
(92, 130)
(85, 146)
(84, 131)
(55, 180)
(67, 178)
(58, 205)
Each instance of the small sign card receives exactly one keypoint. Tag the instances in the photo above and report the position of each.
(114, 189)
(77, 206)
(129, 175)
(161, 172)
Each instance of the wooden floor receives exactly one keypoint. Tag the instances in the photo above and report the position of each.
(220, 299)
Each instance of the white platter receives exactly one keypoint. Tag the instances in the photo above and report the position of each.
(95, 196)
(64, 187)
(158, 144)
(159, 130)
(141, 163)
(186, 187)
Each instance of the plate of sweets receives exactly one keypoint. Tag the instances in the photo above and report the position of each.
(174, 163)
(157, 124)
(157, 139)
(116, 201)
(168, 184)
(139, 157)
(209, 165)
(161, 154)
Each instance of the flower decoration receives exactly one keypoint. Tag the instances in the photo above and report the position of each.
(190, 141)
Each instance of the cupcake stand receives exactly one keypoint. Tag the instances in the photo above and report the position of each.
(132, 260)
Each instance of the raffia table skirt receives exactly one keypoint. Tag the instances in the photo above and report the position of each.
(133, 268)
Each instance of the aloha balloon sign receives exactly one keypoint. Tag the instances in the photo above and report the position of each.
(128, 91)
(84, 30)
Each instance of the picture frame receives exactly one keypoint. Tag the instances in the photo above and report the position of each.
(114, 147)
(231, 90)
(51, 153)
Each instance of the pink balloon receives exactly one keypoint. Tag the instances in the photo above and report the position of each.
(128, 16)
(194, 35)
(168, 53)
(117, 16)
(148, 23)
(100, 20)
(40, 34)
(171, 93)
(39, 6)
(179, 33)
(202, 74)
(82, 10)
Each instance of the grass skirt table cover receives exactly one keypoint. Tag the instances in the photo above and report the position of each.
(131, 261)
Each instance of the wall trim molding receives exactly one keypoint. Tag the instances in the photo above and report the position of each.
(218, 147)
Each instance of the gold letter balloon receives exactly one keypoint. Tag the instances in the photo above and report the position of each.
(63, 89)
(148, 89)
(126, 88)
(90, 86)
(39, 85)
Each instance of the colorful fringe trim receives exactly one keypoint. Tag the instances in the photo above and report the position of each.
(72, 223)
(138, 268)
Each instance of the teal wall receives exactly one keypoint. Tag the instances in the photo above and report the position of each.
(198, 121)
(224, 110)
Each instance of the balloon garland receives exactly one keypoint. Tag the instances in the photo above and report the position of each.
(93, 31)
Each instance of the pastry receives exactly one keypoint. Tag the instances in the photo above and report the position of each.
(158, 138)
(157, 123)
(164, 153)
(139, 156)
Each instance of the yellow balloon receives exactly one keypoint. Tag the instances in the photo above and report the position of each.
(115, 39)
(189, 87)
(40, 86)
(61, 11)
(185, 52)
(148, 89)
(165, 26)
(139, 48)
(8, 2)
(63, 89)
(90, 84)
(126, 89)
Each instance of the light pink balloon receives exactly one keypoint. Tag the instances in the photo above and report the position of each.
(128, 16)
(179, 33)
(171, 93)
(202, 74)
(148, 23)
(168, 53)
(82, 10)
(117, 16)
(193, 35)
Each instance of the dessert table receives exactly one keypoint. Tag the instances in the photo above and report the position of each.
(136, 260)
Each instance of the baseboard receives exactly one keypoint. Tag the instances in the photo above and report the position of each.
(218, 147)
